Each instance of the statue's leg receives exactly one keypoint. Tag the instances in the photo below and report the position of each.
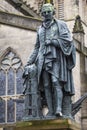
(67, 106)
(58, 96)
(48, 91)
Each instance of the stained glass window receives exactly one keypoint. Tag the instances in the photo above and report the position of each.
(19, 81)
(19, 111)
(2, 111)
(2, 82)
(11, 86)
(11, 80)
(10, 111)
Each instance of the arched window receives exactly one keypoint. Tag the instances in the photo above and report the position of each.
(61, 9)
(11, 86)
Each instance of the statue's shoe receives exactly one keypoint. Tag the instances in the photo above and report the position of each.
(58, 114)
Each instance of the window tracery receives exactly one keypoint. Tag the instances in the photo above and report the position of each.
(11, 86)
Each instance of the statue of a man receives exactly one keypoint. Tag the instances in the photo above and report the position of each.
(54, 56)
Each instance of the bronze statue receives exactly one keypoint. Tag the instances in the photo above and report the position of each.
(54, 57)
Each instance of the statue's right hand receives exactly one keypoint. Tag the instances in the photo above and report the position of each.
(28, 63)
(25, 73)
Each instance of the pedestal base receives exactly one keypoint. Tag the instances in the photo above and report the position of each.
(57, 124)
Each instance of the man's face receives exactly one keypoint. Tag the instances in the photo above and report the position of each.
(47, 13)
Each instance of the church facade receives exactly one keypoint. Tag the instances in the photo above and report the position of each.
(19, 20)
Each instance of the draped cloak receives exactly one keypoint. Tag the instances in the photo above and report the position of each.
(57, 61)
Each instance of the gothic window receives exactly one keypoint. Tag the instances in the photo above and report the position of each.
(61, 9)
(11, 86)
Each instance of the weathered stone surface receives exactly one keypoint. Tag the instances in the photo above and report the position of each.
(19, 21)
(6, 7)
(20, 40)
(45, 125)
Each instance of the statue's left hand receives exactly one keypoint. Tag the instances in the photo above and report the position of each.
(48, 42)
(53, 42)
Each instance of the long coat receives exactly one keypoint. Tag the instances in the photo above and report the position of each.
(59, 31)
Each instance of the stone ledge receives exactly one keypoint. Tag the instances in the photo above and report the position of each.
(19, 21)
(57, 124)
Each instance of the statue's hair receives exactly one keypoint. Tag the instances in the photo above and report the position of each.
(47, 5)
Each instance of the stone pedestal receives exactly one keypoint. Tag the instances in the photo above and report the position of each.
(57, 124)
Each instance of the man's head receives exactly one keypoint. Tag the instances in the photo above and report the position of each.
(47, 11)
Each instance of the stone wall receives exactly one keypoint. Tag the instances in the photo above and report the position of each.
(72, 8)
(36, 4)
(77, 84)
(83, 90)
(84, 124)
(83, 10)
(85, 36)
(4, 6)
(22, 41)
(33, 3)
